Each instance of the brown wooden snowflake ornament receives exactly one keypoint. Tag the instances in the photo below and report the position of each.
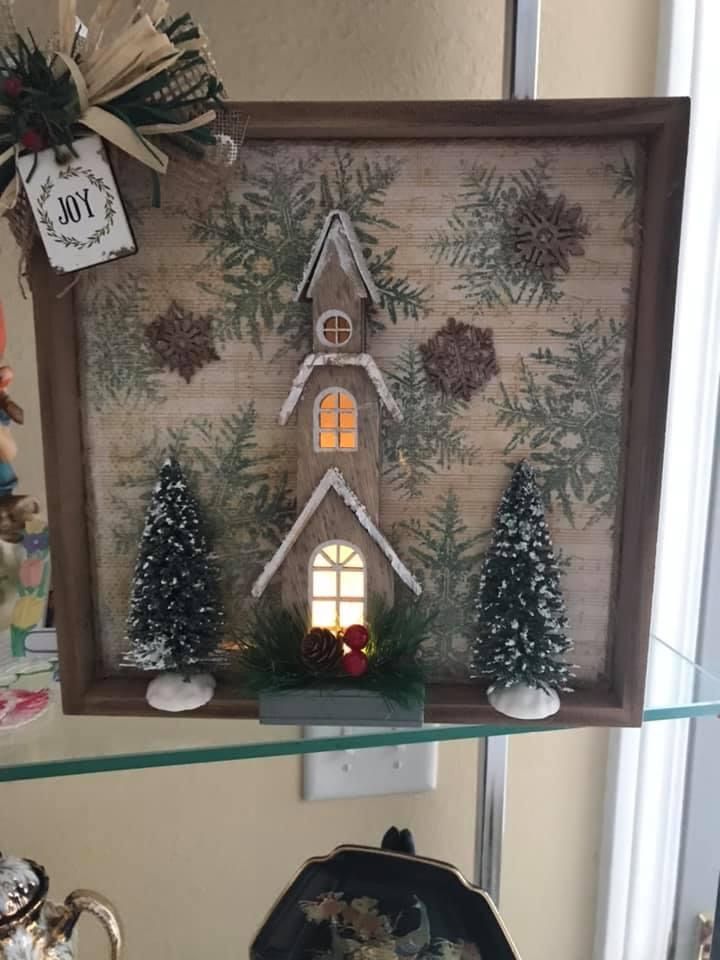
(459, 359)
(547, 233)
(181, 341)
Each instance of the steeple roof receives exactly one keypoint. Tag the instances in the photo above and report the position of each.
(339, 234)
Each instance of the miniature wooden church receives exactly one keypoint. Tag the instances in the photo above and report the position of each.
(335, 557)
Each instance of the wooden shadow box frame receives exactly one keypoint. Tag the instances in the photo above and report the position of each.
(661, 126)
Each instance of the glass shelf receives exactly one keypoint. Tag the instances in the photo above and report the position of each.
(56, 745)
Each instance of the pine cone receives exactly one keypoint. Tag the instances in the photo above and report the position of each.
(320, 650)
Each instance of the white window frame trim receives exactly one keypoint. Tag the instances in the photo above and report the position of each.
(337, 569)
(317, 428)
(320, 322)
(646, 768)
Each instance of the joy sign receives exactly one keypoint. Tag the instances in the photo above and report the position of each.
(71, 209)
(77, 207)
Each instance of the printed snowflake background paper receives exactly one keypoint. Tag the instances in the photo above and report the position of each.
(434, 218)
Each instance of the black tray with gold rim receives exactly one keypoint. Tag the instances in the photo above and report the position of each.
(363, 903)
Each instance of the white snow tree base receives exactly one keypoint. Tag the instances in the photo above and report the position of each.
(173, 693)
(523, 702)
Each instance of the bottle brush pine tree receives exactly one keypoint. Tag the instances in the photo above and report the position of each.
(176, 618)
(521, 623)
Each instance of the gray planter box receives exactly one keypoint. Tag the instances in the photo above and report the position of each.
(333, 707)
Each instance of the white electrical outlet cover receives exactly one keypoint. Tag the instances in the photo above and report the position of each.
(368, 772)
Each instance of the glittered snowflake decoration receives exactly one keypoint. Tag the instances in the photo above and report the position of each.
(459, 359)
(547, 233)
(181, 341)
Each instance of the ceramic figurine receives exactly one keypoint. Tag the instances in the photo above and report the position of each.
(34, 928)
(10, 559)
(15, 509)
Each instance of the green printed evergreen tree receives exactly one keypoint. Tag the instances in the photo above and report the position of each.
(247, 506)
(521, 617)
(627, 183)
(120, 369)
(426, 437)
(176, 618)
(568, 411)
(447, 558)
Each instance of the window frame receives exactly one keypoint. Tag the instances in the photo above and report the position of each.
(651, 762)
(320, 327)
(317, 429)
(337, 568)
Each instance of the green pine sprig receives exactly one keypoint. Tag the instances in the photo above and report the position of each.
(45, 105)
(268, 655)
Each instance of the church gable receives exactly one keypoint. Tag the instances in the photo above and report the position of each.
(334, 480)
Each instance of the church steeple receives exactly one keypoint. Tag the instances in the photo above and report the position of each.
(336, 557)
(338, 282)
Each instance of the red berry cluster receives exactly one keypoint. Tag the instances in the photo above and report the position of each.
(12, 86)
(355, 661)
(32, 140)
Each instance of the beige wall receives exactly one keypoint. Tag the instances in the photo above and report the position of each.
(598, 49)
(556, 784)
(346, 49)
(171, 846)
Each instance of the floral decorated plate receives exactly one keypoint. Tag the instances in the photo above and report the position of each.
(18, 707)
(363, 903)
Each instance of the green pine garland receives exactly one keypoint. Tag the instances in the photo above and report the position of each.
(269, 658)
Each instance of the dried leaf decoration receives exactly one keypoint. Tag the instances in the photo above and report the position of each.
(459, 359)
(181, 341)
(547, 233)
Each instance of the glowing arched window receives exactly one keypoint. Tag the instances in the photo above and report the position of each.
(336, 426)
(337, 586)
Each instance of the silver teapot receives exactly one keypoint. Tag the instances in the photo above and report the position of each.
(34, 928)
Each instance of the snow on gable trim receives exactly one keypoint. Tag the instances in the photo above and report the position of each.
(338, 360)
(333, 480)
(346, 228)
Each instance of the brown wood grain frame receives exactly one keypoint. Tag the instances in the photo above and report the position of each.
(661, 126)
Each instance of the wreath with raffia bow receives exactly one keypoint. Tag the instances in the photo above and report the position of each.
(130, 81)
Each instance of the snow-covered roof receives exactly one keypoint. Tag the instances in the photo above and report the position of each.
(338, 360)
(339, 232)
(334, 480)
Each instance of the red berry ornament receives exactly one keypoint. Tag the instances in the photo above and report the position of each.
(355, 663)
(32, 140)
(13, 86)
(356, 637)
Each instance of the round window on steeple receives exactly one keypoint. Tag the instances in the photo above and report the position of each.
(334, 328)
